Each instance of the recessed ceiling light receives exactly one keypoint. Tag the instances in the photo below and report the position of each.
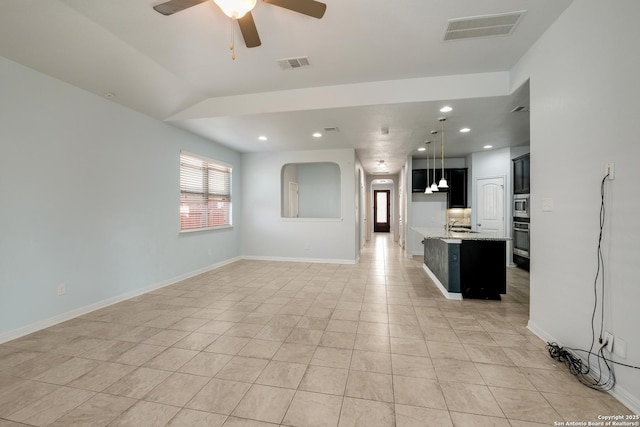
(421, 149)
(317, 135)
(488, 146)
(465, 130)
(262, 138)
(446, 109)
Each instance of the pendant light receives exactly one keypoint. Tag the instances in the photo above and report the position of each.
(443, 180)
(427, 190)
(434, 186)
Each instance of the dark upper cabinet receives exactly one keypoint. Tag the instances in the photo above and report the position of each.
(456, 179)
(521, 181)
(419, 180)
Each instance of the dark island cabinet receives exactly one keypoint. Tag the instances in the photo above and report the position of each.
(521, 181)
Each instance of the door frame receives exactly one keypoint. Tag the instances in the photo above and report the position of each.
(386, 228)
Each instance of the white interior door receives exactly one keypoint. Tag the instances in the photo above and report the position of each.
(490, 201)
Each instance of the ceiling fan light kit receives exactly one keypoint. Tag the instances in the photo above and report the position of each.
(240, 11)
(236, 9)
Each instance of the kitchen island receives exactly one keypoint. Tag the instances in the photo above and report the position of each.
(465, 263)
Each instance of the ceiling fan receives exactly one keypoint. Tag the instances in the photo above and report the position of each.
(247, 25)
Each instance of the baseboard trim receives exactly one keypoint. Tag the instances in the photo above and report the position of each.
(46, 323)
(309, 260)
(627, 399)
(445, 292)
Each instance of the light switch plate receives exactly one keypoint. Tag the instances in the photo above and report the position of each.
(547, 204)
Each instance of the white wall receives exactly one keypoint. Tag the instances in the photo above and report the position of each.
(585, 100)
(89, 195)
(266, 235)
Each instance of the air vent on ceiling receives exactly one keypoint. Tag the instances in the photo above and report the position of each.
(332, 129)
(294, 63)
(483, 26)
(521, 109)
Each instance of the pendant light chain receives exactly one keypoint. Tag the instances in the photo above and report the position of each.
(443, 180)
(434, 186)
(442, 145)
(427, 189)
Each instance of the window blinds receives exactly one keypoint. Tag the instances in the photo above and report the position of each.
(205, 193)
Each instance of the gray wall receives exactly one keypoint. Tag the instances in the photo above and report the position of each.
(319, 190)
(89, 195)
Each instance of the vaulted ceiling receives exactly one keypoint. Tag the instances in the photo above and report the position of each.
(375, 65)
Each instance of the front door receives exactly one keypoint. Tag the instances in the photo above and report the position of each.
(491, 206)
(381, 205)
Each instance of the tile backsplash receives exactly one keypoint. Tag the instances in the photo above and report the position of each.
(462, 216)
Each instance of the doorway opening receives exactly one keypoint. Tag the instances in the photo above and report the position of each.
(382, 211)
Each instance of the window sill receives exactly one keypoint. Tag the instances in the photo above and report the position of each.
(195, 230)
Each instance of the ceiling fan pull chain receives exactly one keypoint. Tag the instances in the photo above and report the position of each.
(232, 45)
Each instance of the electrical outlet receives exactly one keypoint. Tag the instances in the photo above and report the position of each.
(62, 289)
(608, 338)
(611, 170)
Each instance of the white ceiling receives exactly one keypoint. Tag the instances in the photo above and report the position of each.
(364, 55)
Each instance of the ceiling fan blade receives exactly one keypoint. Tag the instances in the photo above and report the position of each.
(306, 7)
(173, 6)
(249, 31)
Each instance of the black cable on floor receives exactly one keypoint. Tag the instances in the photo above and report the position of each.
(566, 355)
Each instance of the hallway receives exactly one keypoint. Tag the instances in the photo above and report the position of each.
(259, 343)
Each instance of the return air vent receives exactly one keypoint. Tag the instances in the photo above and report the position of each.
(294, 63)
(332, 129)
(483, 26)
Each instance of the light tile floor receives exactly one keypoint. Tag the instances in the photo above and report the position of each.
(274, 343)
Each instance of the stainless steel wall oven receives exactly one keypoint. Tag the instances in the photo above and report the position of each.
(521, 251)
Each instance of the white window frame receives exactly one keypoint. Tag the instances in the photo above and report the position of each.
(197, 188)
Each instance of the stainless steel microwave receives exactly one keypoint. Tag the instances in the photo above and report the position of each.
(521, 206)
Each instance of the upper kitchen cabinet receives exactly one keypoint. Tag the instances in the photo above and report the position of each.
(521, 181)
(456, 179)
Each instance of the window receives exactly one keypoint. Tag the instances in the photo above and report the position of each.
(205, 193)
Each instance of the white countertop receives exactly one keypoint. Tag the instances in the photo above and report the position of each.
(453, 236)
